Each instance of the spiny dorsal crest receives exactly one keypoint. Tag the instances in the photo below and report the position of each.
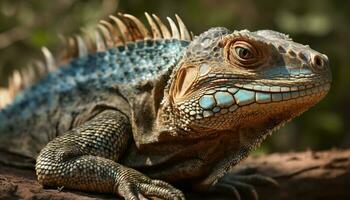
(118, 30)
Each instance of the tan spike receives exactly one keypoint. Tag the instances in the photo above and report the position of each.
(49, 59)
(174, 29)
(89, 39)
(134, 31)
(63, 41)
(5, 97)
(106, 35)
(165, 31)
(72, 48)
(108, 25)
(40, 67)
(82, 49)
(64, 52)
(113, 31)
(184, 34)
(100, 44)
(18, 80)
(140, 26)
(155, 30)
(28, 76)
(192, 35)
(15, 83)
(34, 75)
(125, 35)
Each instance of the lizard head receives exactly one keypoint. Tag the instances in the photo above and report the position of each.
(246, 80)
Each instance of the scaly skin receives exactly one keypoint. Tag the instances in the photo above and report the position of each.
(202, 109)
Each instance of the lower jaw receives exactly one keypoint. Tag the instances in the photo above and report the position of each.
(280, 104)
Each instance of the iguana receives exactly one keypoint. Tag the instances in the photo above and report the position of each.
(135, 109)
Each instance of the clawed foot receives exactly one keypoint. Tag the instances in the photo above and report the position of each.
(242, 182)
(137, 186)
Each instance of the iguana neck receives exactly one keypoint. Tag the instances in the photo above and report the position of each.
(148, 105)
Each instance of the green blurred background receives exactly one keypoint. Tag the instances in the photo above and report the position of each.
(26, 25)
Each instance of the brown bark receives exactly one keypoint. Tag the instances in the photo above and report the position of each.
(307, 175)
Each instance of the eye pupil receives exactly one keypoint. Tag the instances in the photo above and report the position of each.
(243, 53)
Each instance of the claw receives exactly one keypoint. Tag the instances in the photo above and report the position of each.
(229, 189)
(257, 179)
(139, 187)
(141, 197)
(128, 192)
(160, 192)
(245, 187)
(242, 181)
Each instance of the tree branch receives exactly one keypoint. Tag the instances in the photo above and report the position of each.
(306, 175)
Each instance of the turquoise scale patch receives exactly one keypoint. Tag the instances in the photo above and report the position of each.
(244, 97)
(207, 102)
(216, 109)
(263, 97)
(224, 99)
(286, 96)
(276, 97)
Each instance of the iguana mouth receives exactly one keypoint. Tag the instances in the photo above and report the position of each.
(222, 100)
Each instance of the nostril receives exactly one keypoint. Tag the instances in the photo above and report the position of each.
(318, 62)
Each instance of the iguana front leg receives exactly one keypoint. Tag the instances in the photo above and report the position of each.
(86, 158)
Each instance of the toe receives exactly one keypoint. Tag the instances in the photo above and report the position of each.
(245, 188)
(128, 192)
(227, 188)
(257, 179)
(151, 190)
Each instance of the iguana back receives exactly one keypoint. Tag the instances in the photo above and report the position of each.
(67, 95)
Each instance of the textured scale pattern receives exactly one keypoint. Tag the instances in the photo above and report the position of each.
(151, 107)
(102, 137)
(86, 158)
(132, 63)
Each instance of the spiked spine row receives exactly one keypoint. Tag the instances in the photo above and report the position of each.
(118, 30)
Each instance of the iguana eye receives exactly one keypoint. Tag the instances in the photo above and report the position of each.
(243, 53)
